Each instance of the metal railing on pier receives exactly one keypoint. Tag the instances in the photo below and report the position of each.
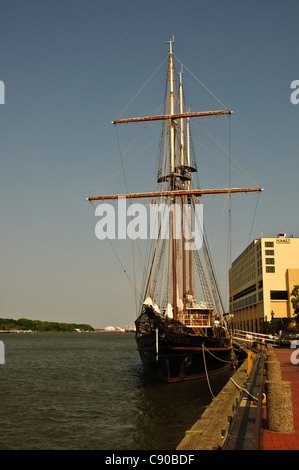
(251, 337)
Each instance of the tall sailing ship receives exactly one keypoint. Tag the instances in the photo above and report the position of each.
(181, 331)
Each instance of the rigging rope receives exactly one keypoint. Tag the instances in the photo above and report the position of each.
(204, 86)
(221, 159)
(139, 91)
(257, 201)
(121, 159)
(219, 223)
(106, 180)
(132, 284)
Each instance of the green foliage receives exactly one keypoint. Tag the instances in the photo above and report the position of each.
(41, 326)
(295, 301)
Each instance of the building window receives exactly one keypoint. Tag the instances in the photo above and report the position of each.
(245, 292)
(270, 269)
(260, 296)
(269, 244)
(270, 261)
(279, 295)
(269, 252)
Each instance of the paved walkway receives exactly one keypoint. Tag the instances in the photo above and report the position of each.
(290, 373)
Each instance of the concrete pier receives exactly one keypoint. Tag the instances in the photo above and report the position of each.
(258, 409)
(228, 421)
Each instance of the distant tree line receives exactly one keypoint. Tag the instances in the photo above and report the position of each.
(41, 326)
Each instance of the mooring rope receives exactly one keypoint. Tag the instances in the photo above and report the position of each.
(204, 359)
(219, 359)
(243, 390)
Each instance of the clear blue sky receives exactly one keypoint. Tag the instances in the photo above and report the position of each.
(69, 68)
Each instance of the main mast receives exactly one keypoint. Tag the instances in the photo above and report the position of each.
(182, 148)
(172, 122)
(172, 178)
(177, 177)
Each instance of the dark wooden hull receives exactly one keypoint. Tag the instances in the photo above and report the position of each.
(169, 352)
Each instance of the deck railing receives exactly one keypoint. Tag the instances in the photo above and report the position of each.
(192, 321)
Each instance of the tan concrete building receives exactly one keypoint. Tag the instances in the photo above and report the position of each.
(261, 280)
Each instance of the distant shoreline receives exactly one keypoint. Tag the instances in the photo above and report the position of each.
(24, 325)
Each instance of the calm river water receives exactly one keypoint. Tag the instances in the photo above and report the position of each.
(88, 392)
